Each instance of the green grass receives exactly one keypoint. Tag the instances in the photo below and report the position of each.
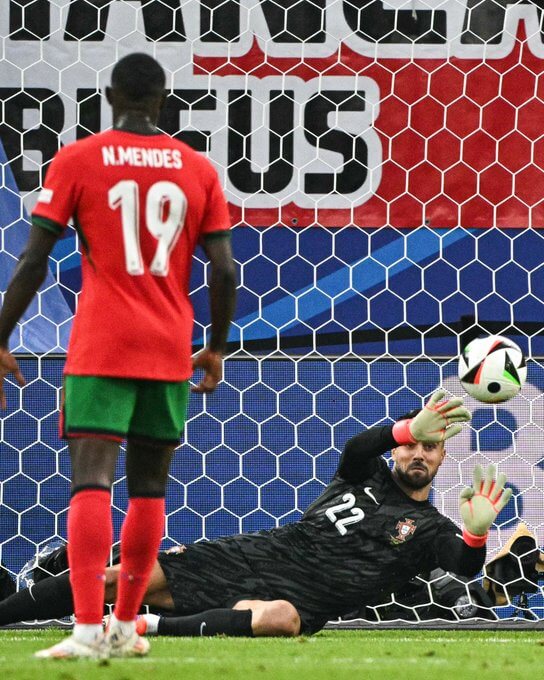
(331, 655)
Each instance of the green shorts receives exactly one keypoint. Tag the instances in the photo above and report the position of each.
(119, 408)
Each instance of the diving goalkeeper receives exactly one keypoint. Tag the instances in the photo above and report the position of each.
(370, 532)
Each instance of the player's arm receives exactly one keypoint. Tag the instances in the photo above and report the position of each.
(222, 293)
(359, 457)
(454, 555)
(437, 421)
(28, 277)
(479, 506)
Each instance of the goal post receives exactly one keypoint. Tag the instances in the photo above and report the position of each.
(383, 165)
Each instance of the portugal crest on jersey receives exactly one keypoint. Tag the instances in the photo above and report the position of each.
(405, 529)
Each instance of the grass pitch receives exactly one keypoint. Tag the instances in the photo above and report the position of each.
(331, 655)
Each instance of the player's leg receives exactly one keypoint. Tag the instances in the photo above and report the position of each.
(51, 597)
(248, 618)
(154, 432)
(89, 542)
(147, 472)
(147, 468)
(96, 414)
(90, 531)
(157, 594)
(276, 618)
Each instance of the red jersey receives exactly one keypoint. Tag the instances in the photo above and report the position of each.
(141, 204)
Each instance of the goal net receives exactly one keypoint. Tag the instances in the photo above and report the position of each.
(384, 163)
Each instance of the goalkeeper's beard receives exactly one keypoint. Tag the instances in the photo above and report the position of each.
(414, 477)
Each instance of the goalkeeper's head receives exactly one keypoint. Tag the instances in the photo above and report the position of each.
(137, 84)
(416, 465)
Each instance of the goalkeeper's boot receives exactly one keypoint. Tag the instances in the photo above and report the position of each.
(146, 624)
(123, 639)
(141, 625)
(72, 648)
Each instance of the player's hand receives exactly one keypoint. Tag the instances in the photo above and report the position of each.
(8, 364)
(480, 503)
(436, 422)
(212, 365)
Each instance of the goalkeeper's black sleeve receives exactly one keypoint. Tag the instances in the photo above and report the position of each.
(358, 460)
(234, 622)
(455, 555)
(48, 599)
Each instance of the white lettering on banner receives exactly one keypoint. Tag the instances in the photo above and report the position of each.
(139, 157)
(311, 29)
(325, 124)
(296, 128)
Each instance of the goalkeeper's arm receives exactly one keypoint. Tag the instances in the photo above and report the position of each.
(454, 555)
(360, 452)
(438, 421)
(479, 505)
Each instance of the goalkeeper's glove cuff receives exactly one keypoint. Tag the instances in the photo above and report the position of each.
(401, 432)
(473, 540)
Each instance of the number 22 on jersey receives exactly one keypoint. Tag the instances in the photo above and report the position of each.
(165, 210)
(357, 514)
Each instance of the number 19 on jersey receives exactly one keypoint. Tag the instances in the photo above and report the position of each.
(165, 210)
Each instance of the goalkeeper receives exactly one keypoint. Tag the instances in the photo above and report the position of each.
(370, 532)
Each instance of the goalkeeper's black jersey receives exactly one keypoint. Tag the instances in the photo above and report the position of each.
(362, 539)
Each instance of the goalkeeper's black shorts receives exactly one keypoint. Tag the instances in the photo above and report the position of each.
(215, 575)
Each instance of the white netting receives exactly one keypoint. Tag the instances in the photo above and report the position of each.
(338, 128)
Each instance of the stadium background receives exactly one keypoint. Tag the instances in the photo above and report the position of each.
(380, 191)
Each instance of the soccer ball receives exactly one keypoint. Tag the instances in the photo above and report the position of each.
(492, 369)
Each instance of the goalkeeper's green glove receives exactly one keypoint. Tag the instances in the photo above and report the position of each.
(481, 503)
(434, 422)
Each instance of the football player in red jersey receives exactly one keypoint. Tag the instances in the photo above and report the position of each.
(141, 202)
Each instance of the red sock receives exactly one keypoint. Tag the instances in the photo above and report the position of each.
(140, 541)
(89, 543)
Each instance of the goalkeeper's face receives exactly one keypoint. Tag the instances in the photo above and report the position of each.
(417, 464)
